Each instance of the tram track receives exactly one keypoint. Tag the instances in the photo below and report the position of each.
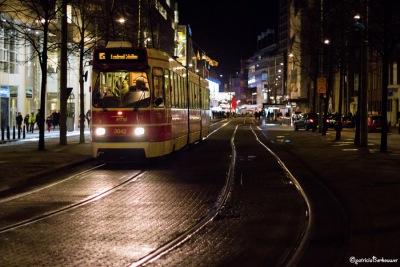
(328, 215)
(295, 252)
(301, 250)
(216, 209)
(23, 194)
(125, 179)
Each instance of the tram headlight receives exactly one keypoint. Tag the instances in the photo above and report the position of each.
(139, 131)
(100, 131)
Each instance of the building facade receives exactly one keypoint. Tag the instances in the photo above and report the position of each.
(145, 23)
(313, 45)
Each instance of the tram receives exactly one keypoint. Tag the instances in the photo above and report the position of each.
(144, 104)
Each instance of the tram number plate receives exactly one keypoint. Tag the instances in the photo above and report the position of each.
(120, 131)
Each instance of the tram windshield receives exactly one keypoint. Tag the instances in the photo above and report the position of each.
(121, 89)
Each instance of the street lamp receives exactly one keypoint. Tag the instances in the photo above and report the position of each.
(122, 22)
(361, 135)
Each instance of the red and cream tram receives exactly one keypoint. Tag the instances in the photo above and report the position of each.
(144, 104)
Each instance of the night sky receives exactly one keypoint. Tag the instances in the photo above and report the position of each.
(227, 30)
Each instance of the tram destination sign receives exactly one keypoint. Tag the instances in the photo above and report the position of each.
(120, 55)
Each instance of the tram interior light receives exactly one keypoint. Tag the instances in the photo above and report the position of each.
(100, 131)
(139, 131)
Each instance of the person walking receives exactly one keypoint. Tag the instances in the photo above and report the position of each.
(39, 120)
(56, 119)
(26, 122)
(19, 120)
(32, 121)
(49, 122)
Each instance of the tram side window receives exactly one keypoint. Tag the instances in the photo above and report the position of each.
(190, 95)
(168, 88)
(173, 89)
(158, 85)
(172, 86)
(184, 93)
(207, 100)
(204, 99)
(182, 104)
(197, 96)
(179, 92)
(193, 95)
(201, 93)
(193, 92)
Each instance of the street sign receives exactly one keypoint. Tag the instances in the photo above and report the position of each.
(321, 85)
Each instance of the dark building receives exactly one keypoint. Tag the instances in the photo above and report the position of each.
(144, 23)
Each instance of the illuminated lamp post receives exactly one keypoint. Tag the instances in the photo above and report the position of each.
(361, 135)
(122, 22)
(327, 42)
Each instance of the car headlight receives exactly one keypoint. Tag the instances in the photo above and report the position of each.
(100, 131)
(139, 131)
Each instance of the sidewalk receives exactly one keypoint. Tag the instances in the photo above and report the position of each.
(13, 137)
(21, 162)
(364, 181)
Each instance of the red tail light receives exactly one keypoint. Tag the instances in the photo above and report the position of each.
(311, 120)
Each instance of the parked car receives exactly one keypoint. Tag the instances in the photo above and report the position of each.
(332, 120)
(306, 121)
(296, 115)
(374, 122)
(348, 121)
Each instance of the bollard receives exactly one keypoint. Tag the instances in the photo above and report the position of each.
(19, 132)
(8, 133)
(2, 133)
(13, 132)
(24, 132)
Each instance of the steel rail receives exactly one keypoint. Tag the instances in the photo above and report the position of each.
(191, 231)
(292, 259)
(16, 196)
(86, 201)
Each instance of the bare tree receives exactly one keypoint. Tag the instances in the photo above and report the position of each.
(362, 47)
(84, 20)
(36, 22)
(383, 30)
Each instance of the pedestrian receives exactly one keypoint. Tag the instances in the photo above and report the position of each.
(26, 122)
(262, 113)
(88, 117)
(19, 120)
(32, 121)
(56, 119)
(49, 122)
(39, 121)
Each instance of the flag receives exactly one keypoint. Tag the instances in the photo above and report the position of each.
(234, 102)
